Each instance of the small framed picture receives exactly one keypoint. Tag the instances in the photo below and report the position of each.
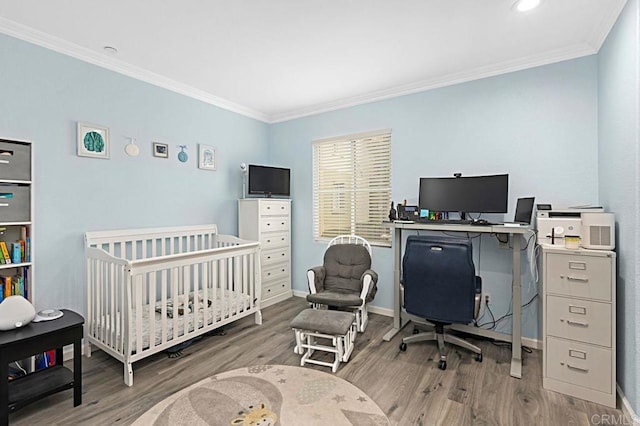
(93, 141)
(206, 157)
(160, 150)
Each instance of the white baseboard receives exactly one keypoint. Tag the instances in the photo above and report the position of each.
(630, 416)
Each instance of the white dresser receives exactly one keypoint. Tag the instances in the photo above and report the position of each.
(269, 221)
(579, 323)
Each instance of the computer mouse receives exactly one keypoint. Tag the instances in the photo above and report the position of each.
(480, 222)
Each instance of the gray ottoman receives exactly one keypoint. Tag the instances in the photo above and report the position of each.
(336, 327)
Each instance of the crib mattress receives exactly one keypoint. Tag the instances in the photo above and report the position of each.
(221, 308)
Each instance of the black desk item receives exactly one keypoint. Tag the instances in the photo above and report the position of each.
(30, 340)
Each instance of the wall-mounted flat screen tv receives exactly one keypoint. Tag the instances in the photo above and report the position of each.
(268, 181)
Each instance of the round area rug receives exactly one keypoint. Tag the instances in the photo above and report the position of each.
(267, 395)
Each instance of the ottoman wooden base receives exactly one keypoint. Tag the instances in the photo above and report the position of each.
(336, 327)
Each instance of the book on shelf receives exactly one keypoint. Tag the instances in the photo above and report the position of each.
(16, 252)
(6, 282)
(5, 252)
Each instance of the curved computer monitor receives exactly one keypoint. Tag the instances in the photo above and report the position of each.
(468, 194)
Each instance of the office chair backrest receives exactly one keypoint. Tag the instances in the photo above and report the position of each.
(439, 278)
(344, 265)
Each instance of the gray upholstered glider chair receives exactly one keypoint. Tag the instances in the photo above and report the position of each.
(345, 281)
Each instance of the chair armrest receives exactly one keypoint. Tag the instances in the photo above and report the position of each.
(315, 279)
(369, 280)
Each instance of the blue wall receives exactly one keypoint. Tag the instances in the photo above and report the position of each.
(538, 125)
(619, 167)
(45, 93)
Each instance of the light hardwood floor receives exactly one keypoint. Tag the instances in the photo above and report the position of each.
(408, 386)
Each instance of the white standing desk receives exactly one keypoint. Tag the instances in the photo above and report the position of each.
(401, 318)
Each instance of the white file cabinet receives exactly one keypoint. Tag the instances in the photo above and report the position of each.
(579, 323)
(269, 221)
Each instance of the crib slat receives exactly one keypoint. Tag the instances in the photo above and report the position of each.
(163, 304)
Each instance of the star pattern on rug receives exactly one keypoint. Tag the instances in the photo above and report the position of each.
(339, 398)
(362, 399)
(282, 381)
(279, 372)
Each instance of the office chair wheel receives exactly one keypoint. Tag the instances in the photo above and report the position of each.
(442, 365)
(479, 357)
(416, 330)
(403, 346)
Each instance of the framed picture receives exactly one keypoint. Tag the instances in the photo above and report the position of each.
(160, 150)
(206, 157)
(93, 141)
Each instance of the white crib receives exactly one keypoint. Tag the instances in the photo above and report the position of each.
(151, 289)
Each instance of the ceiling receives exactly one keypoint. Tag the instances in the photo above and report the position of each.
(280, 59)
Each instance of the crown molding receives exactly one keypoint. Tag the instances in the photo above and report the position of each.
(59, 45)
(87, 55)
(559, 55)
(602, 29)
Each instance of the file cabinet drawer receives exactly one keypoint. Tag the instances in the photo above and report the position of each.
(581, 320)
(270, 257)
(579, 276)
(274, 207)
(579, 364)
(15, 161)
(15, 203)
(270, 224)
(275, 240)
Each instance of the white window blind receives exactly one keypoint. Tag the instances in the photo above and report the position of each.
(352, 186)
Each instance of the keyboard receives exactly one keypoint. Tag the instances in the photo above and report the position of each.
(446, 221)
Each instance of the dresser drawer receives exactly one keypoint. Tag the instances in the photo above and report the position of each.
(579, 276)
(579, 364)
(271, 241)
(274, 207)
(277, 272)
(15, 161)
(580, 320)
(275, 288)
(270, 224)
(270, 257)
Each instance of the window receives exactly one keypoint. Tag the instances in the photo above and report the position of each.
(352, 186)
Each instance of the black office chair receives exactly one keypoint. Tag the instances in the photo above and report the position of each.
(441, 286)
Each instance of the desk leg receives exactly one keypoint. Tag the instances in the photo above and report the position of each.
(516, 334)
(397, 303)
(4, 393)
(77, 370)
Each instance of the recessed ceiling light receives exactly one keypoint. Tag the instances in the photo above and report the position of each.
(526, 5)
(110, 50)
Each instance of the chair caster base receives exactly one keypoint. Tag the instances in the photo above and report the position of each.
(403, 346)
(442, 365)
(478, 357)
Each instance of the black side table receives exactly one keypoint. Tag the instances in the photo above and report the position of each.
(32, 339)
